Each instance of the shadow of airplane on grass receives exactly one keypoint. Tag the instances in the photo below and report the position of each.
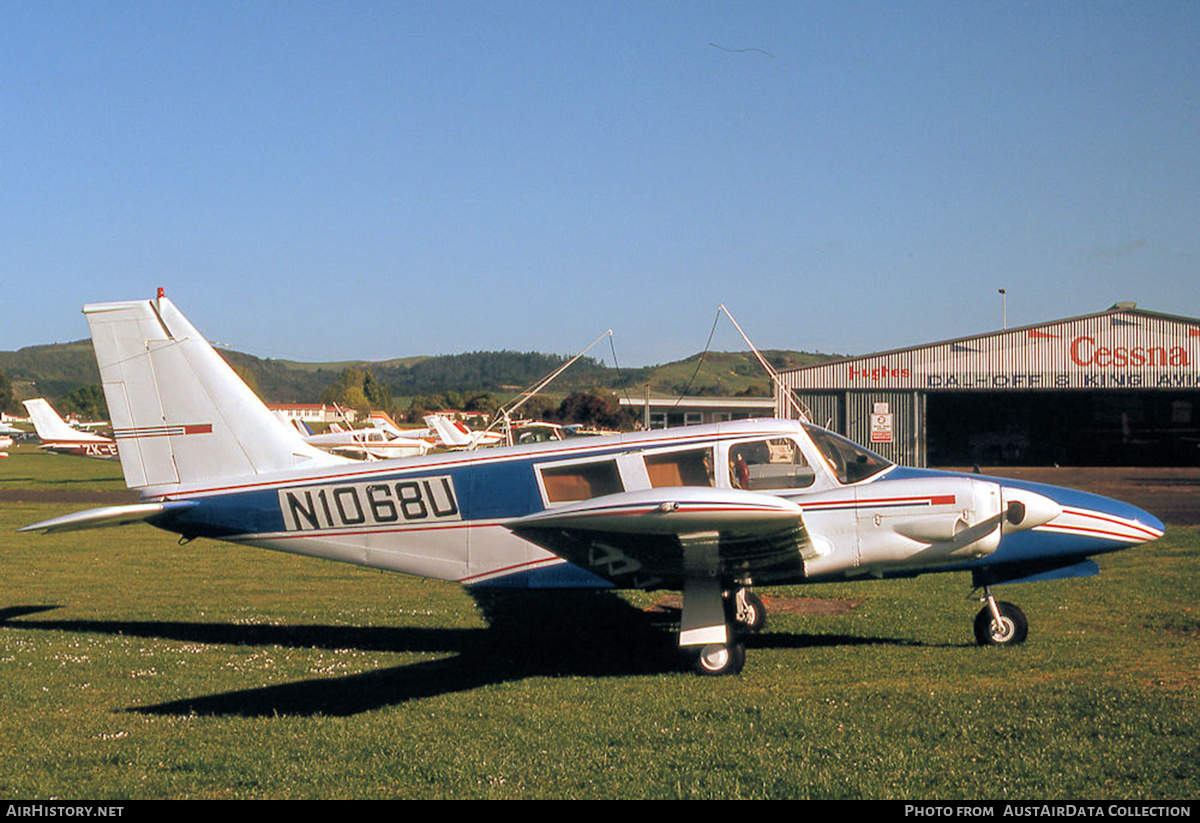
(551, 634)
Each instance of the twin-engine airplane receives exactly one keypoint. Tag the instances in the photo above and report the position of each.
(713, 510)
(59, 436)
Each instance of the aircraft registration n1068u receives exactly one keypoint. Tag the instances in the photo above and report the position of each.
(710, 510)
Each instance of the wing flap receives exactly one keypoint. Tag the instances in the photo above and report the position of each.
(647, 538)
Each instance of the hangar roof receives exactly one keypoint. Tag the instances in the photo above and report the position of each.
(1123, 347)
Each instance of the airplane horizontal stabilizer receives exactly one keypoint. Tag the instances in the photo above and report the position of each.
(105, 516)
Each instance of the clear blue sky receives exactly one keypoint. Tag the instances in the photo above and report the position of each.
(370, 180)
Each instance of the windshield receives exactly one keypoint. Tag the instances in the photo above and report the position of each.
(849, 461)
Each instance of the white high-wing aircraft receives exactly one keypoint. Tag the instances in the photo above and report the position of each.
(712, 510)
(58, 436)
(373, 442)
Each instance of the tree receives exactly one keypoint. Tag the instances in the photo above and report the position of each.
(377, 394)
(594, 410)
(85, 401)
(8, 401)
(358, 389)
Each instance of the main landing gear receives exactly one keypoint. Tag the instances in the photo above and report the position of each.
(745, 613)
(721, 658)
(999, 623)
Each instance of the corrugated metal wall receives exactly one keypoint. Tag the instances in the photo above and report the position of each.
(857, 415)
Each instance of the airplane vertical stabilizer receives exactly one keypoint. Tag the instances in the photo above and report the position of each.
(50, 426)
(179, 412)
(450, 435)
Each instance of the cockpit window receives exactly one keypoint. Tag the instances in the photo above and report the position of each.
(769, 464)
(849, 461)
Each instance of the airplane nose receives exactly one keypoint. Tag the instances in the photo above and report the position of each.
(1109, 522)
(1151, 522)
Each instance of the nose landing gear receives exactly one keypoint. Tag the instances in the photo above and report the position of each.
(999, 623)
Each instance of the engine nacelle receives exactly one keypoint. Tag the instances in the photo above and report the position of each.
(913, 522)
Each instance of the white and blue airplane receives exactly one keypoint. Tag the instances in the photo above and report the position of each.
(710, 510)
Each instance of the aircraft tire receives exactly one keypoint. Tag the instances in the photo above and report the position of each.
(1012, 629)
(717, 659)
(755, 619)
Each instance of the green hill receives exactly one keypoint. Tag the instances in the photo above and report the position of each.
(56, 370)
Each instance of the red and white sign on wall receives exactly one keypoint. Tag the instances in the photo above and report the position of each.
(881, 424)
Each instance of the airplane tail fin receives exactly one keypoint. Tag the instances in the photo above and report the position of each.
(179, 413)
(48, 424)
(446, 430)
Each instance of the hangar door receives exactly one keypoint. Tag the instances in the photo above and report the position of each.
(1067, 428)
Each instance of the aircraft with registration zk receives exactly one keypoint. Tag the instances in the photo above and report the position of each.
(58, 436)
(712, 510)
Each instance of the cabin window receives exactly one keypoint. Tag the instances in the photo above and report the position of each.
(693, 467)
(582, 481)
(769, 464)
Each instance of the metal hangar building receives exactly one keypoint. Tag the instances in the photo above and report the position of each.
(1119, 388)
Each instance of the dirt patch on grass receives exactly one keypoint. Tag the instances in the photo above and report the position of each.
(818, 606)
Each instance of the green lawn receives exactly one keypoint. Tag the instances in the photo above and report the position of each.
(28, 468)
(133, 667)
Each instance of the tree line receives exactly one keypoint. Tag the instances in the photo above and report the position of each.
(474, 381)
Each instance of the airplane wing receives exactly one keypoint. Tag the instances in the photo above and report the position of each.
(662, 537)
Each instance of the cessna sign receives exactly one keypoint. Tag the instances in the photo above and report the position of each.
(1086, 352)
(1091, 363)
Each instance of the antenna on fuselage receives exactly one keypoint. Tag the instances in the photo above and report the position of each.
(789, 398)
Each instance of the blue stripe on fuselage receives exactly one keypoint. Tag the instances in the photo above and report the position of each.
(490, 484)
(496, 490)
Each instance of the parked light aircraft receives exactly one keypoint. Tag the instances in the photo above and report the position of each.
(374, 443)
(453, 434)
(713, 510)
(57, 436)
(384, 422)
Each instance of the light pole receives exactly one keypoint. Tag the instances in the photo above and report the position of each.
(1004, 308)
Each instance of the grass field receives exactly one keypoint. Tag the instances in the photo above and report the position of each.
(133, 667)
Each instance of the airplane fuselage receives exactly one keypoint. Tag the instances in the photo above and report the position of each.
(451, 516)
(83, 448)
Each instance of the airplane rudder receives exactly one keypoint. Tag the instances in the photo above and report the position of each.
(184, 414)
